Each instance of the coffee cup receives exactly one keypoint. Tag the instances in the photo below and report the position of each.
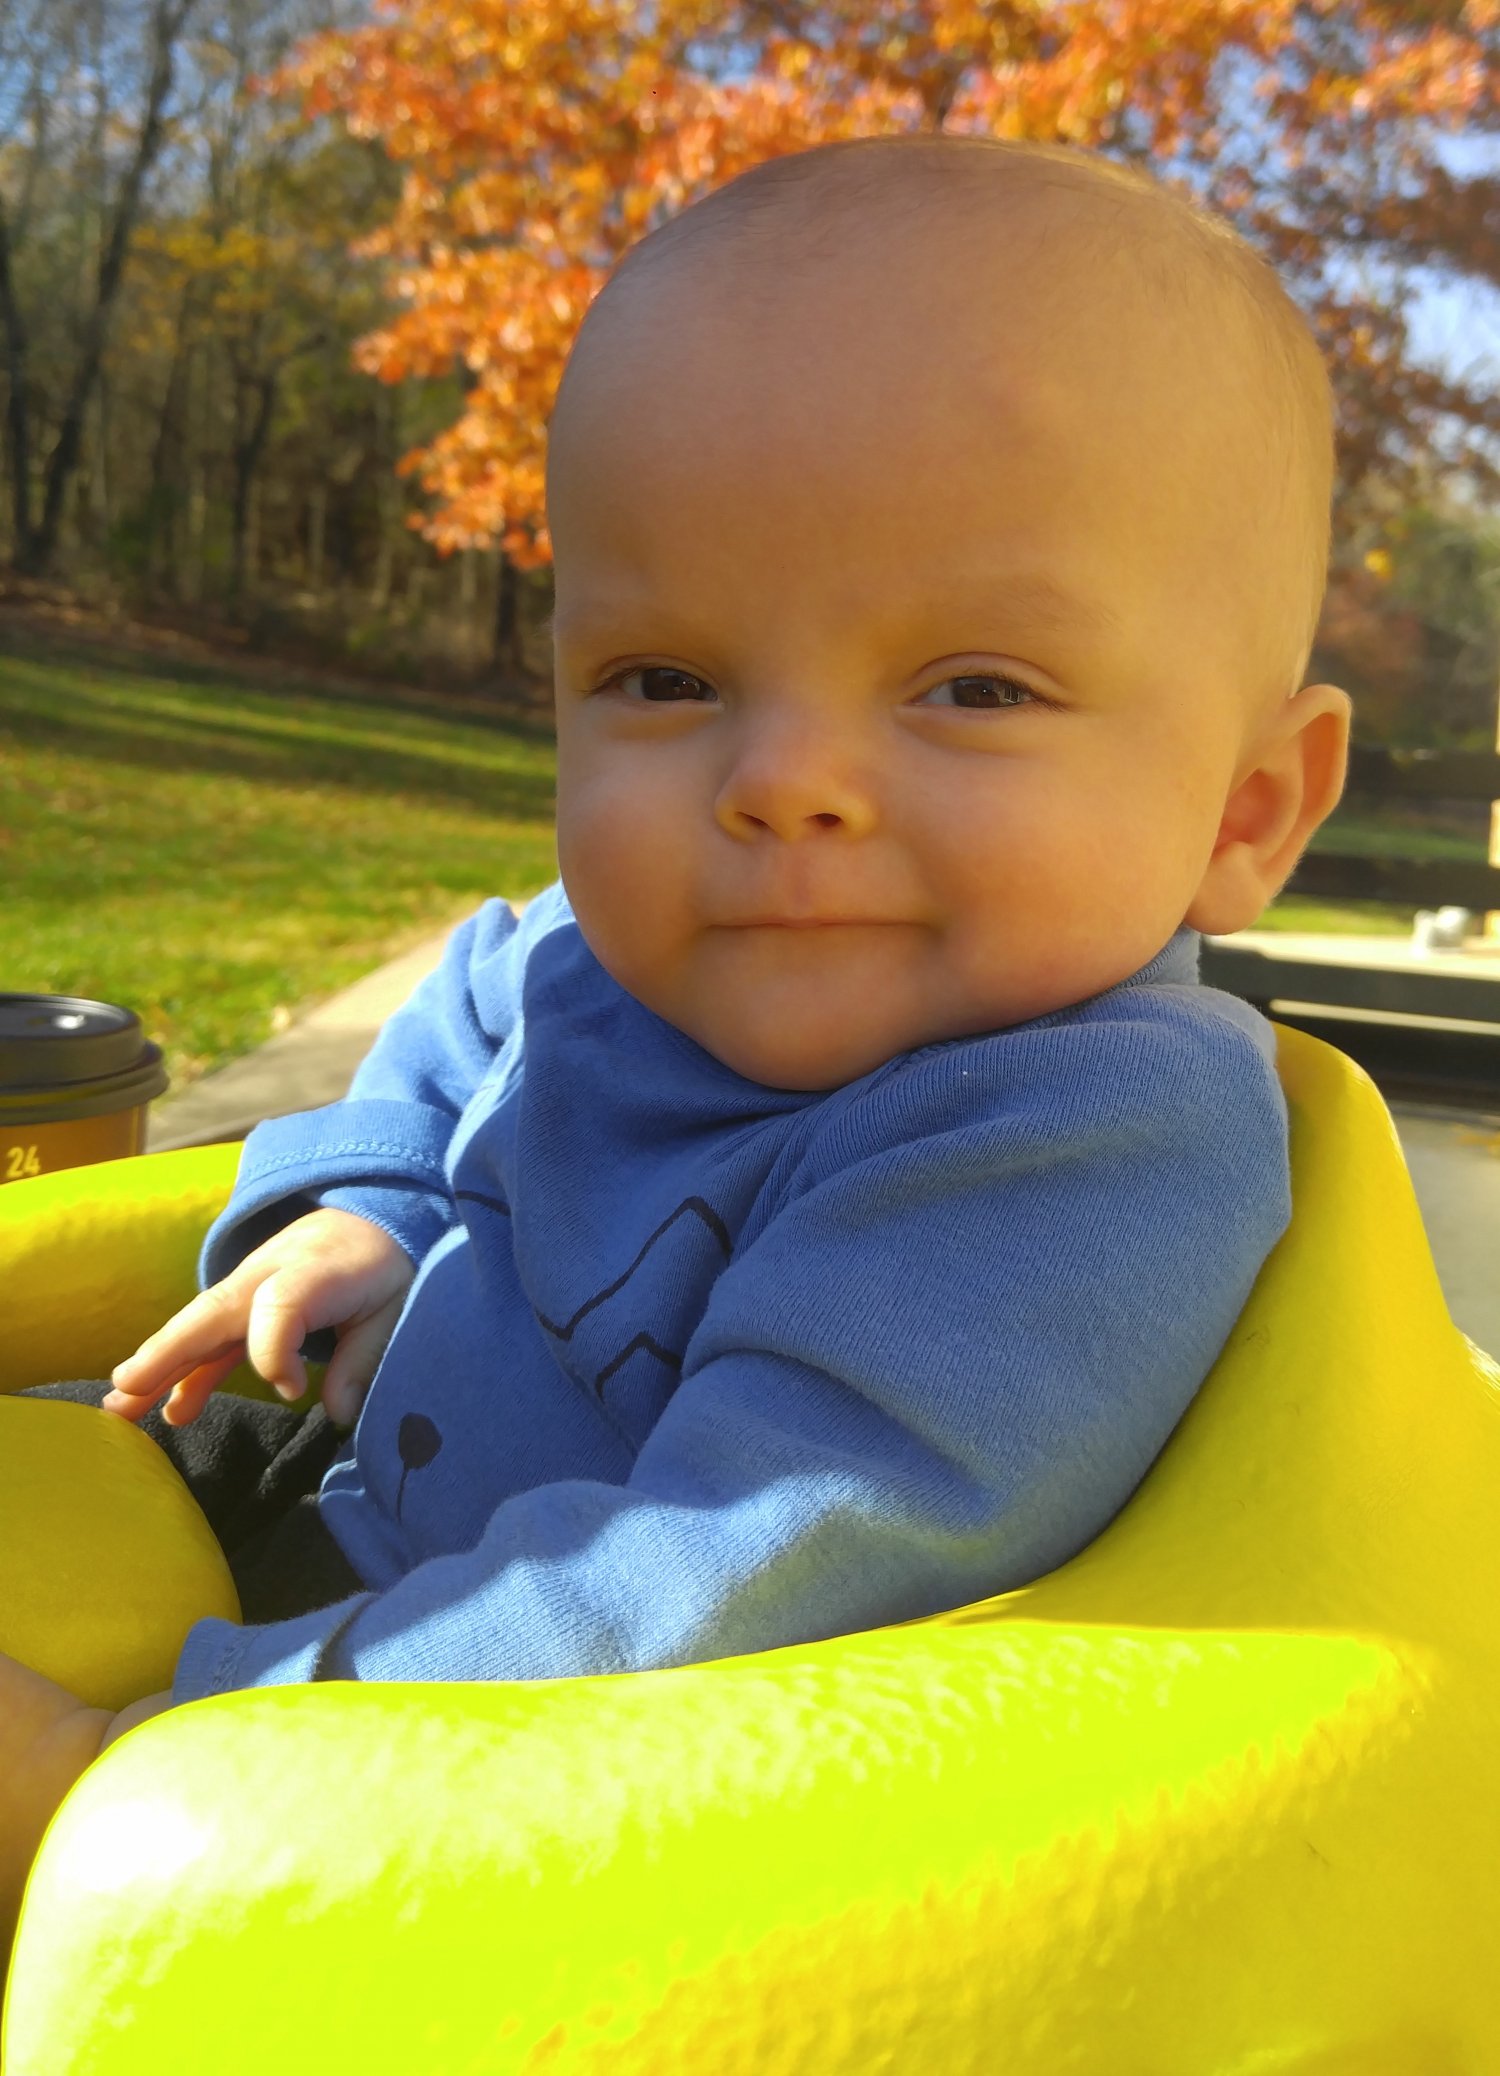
(76, 1079)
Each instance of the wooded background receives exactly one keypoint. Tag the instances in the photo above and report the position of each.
(286, 285)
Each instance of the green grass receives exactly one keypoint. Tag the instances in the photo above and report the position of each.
(1458, 833)
(217, 851)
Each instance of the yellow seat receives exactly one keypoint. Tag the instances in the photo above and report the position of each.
(1215, 1798)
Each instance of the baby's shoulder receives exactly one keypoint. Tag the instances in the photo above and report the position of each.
(1170, 1060)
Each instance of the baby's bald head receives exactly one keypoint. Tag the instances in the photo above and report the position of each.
(1092, 274)
(940, 527)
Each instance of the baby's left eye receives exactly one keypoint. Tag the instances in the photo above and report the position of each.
(978, 690)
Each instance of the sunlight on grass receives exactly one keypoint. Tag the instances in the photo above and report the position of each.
(1358, 832)
(215, 855)
(1300, 912)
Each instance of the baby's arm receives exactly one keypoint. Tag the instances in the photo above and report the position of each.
(330, 1268)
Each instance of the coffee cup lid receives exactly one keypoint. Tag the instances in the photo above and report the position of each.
(47, 1040)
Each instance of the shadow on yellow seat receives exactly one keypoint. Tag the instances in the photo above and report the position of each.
(1215, 1798)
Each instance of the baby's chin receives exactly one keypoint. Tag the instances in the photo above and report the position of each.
(792, 1053)
(803, 1071)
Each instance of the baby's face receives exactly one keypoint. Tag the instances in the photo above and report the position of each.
(897, 698)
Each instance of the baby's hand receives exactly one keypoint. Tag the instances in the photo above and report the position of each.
(327, 1269)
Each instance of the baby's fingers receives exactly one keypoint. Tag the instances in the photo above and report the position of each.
(187, 1399)
(285, 1309)
(355, 1361)
(205, 1331)
(186, 1396)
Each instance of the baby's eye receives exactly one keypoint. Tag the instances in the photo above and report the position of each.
(664, 685)
(667, 688)
(978, 689)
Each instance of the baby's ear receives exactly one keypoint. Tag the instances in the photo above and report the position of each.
(1330, 711)
(1295, 783)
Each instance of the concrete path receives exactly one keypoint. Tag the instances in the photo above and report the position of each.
(1453, 1156)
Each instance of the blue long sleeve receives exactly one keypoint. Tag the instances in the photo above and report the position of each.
(381, 1150)
(703, 1368)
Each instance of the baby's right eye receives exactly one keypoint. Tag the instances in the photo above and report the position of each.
(665, 694)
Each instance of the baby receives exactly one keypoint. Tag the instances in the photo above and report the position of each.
(817, 1209)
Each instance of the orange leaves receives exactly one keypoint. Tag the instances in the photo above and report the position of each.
(541, 138)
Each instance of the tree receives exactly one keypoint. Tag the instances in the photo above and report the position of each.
(73, 58)
(541, 138)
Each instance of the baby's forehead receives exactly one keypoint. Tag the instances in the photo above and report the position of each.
(941, 288)
(1023, 234)
(893, 352)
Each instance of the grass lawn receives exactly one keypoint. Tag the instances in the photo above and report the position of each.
(1458, 832)
(219, 850)
(216, 851)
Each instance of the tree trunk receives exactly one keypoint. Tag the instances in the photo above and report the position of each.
(248, 449)
(17, 402)
(317, 536)
(1490, 927)
(164, 479)
(36, 552)
(507, 656)
(101, 475)
(191, 592)
(388, 498)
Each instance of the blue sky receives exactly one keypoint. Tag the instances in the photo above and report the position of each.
(1457, 327)
(1454, 327)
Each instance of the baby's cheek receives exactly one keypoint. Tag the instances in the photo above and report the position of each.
(627, 843)
(628, 884)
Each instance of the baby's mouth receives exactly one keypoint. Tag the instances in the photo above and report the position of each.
(805, 922)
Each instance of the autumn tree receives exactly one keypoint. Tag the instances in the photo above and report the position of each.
(539, 141)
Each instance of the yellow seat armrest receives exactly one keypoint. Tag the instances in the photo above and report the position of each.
(930, 1835)
(94, 1259)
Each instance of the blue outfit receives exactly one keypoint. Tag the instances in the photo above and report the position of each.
(693, 1367)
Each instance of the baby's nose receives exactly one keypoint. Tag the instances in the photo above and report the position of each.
(796, 783)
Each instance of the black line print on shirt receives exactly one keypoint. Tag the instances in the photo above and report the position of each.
(671, 1357)
(704, 1211)
(418, 1439)
(565, 1330)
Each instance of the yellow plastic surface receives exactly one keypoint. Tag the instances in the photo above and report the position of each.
(93, 1259)
(1216, 1798)
(106, 1561)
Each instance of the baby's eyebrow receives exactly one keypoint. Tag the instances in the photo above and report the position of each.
(1036, 595)
(1033, 594)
